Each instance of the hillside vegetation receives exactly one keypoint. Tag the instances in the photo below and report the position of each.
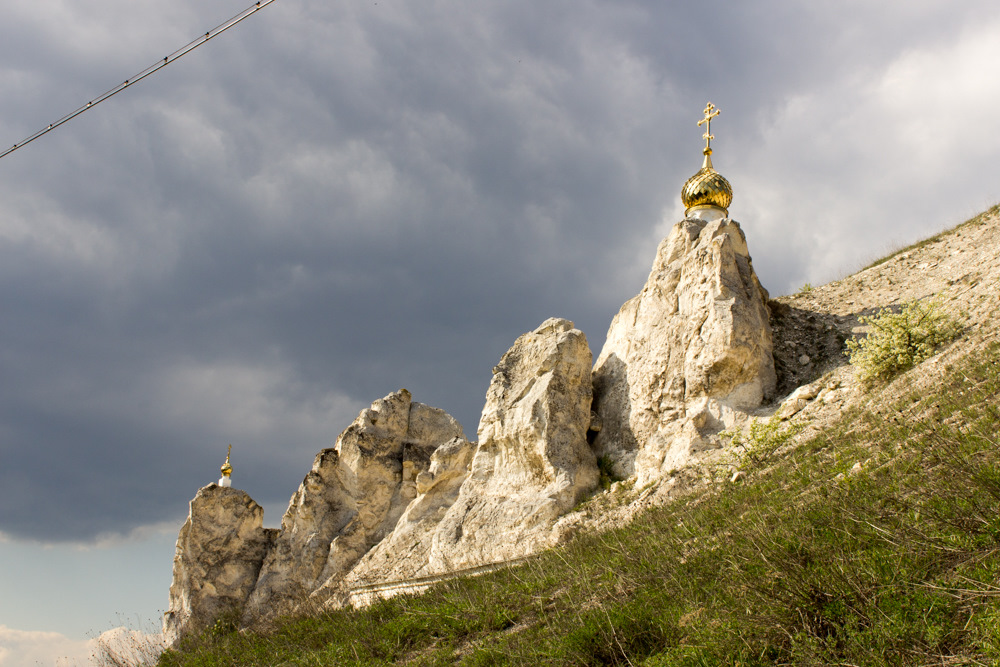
(872, 538)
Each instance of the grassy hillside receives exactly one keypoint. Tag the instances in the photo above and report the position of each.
(808, 560)
(873, 541)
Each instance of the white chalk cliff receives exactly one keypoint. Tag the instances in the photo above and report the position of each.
(350, 500)
(219, 553)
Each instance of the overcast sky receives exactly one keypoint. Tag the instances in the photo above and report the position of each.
(334, 200)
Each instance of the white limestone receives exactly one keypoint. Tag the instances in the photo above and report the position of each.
(478, 505)
(219, 553)
(533, 462)
(687, 356)
(406, 553)
(349, 501)
(403, 498)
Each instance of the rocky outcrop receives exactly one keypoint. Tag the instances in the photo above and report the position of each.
(349, 501)
(219, 554)
(406, 553)
(320, 509)
(533, 462)
(403, 497)
(687, 355)
(499, 500)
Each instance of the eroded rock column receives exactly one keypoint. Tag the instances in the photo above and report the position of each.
(350, 500)
(686, 355)
(219, 554)
(533, 462)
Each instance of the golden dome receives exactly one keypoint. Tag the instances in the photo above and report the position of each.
(707, 189)
(226, 468)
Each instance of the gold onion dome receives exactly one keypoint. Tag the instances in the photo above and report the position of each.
(226, 468)
(707, 189)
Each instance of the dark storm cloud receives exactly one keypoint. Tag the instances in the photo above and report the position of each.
(336, 200)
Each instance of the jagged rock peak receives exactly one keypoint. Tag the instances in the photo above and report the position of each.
(533, 462)
(403, 494)
(349, 501)
(219, 554)
(487, 503)
(686, 354)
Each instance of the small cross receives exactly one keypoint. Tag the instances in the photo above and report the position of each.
(710, 113)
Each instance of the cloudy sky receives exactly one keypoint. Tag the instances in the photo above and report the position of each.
(334, 200)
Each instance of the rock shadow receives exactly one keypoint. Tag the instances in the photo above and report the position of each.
(610, 433)
(808, 343)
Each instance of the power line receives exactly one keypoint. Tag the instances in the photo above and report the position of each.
(155, 67)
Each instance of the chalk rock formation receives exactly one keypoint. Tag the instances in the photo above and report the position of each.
(687, 355)
(316, 514)
(485, 503)
(533, 462)
(406, 553)
(350, 500)
(219, 554)
(404, 495)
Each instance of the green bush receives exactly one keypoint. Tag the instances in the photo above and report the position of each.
(899, 340)
(755, 448)
(606, 467)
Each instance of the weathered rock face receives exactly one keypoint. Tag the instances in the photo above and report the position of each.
(404, 495)
(533, 462)
(385, 456)
(406, 552)
(319, 510)
(349, 501)
(219, 554)
(485, 503)
(685, 356)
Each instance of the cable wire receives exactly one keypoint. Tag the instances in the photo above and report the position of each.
(160, 64)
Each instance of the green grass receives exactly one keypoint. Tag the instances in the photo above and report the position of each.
(802, 563)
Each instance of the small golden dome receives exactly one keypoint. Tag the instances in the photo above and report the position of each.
(226, 468)
(707, 189)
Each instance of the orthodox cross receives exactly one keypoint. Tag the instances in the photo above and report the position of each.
(710, 113)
